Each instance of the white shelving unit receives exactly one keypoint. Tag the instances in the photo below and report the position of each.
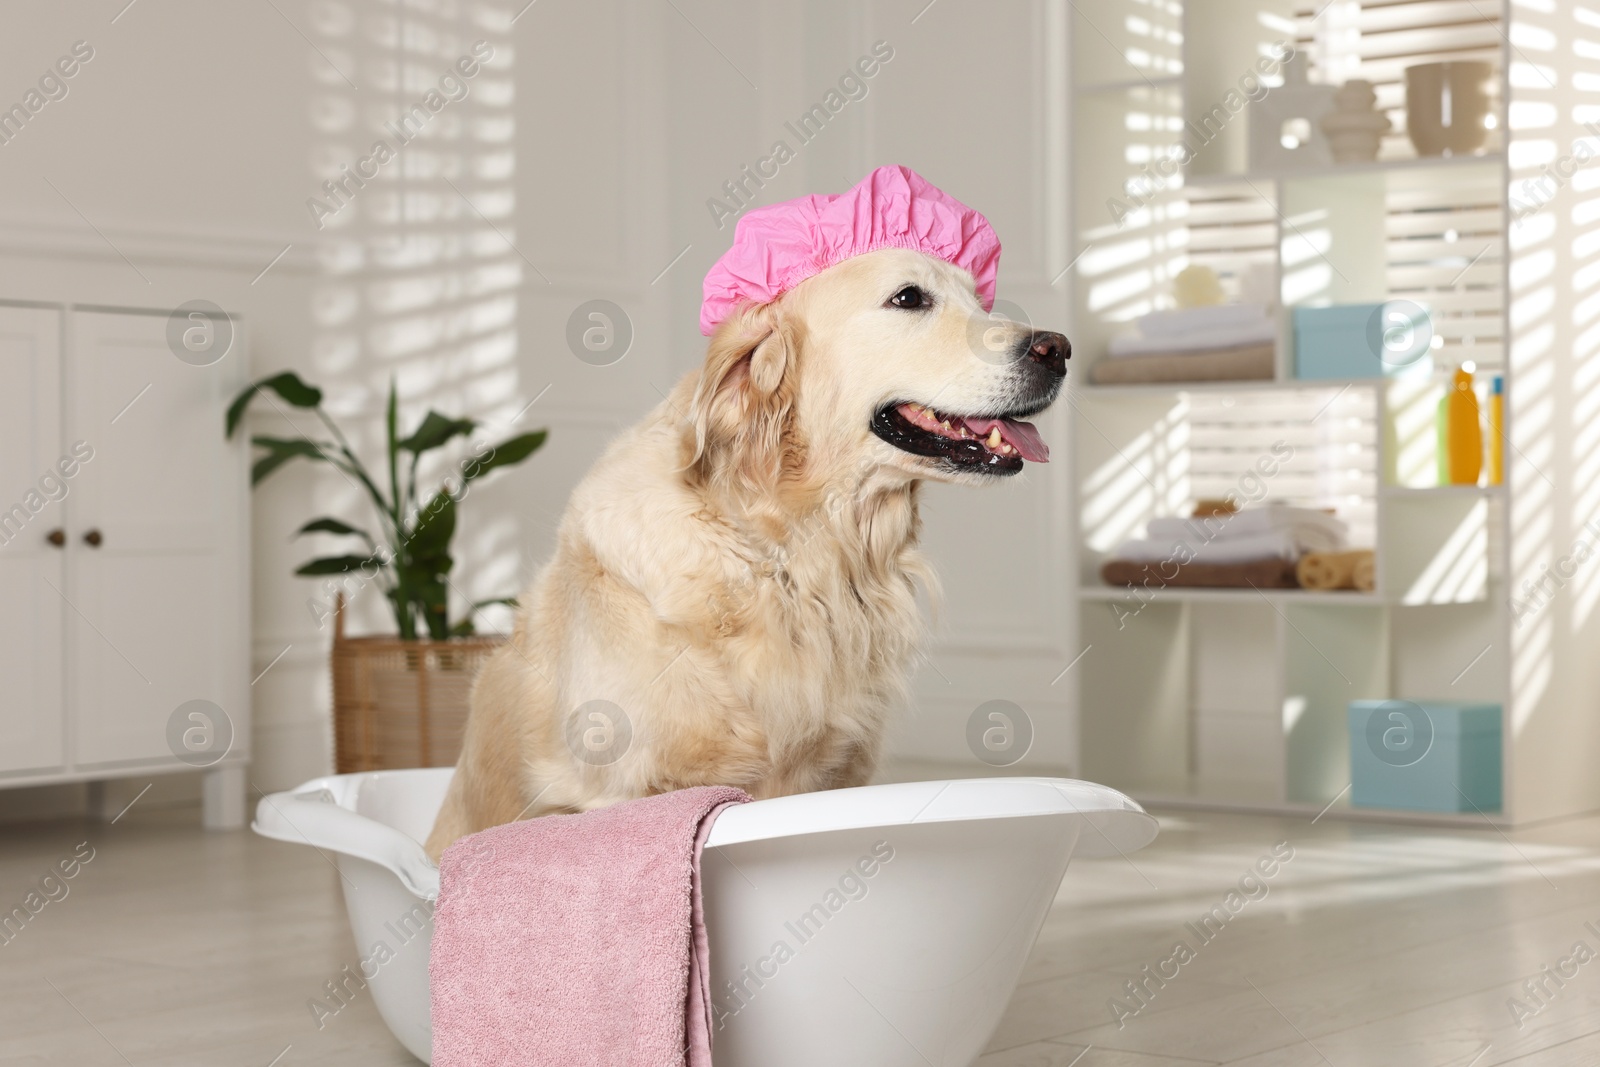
(1237, 698)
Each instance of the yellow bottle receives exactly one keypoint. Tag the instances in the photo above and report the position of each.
(1497, 431)
(1463, 432)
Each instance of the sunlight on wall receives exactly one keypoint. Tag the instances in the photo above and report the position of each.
(1294, 707)
(1532, 354)
(1311, 447)
(1147, 476)
(416, 164)
(1159, 39)
(1307, 274)
(1126, 40)
(1336, 48)
(1133, 258)
(1585, 287)
(1413, 406)
(1459, 571)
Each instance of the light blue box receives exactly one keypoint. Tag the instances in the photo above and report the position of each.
(1425, 755)
(1362, 340)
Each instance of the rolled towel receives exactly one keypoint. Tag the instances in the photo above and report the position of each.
(1366, 572)
(1336, 570)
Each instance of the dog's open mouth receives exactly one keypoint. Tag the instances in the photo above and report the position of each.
(996, 445)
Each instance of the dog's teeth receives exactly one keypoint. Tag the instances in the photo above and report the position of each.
(1005, 450)
(945, 424)
(993, 440)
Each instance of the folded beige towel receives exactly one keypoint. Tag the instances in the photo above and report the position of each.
(1260, 573)
(1248, 363)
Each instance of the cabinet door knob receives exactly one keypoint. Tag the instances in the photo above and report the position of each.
(57, 537)
(93, 539)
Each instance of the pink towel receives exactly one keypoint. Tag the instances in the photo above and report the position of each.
(577, 940)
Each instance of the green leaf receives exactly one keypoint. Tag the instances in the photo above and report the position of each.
(436, 430)
(281, 450)
(436, 525)
(287, 385)
(391, 434)
(335, 565)
(435, 613)
(403, 616)
(430, 594)
(293, 390)
(333, 526)
(505, 454)
(266, 465)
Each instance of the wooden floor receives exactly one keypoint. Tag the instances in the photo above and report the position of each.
(1373, 945)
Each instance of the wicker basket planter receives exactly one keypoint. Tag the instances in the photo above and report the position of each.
(401, 703)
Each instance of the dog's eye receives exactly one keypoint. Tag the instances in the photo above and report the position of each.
(910, 298)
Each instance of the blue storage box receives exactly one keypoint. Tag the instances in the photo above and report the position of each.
(1425, 755)
(1362, 340)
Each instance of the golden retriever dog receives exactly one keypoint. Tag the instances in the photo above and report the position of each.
(732, 598)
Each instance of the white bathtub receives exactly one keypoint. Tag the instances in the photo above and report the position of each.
(908, 967)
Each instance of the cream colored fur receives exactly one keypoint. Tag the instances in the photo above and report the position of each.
(737, 573)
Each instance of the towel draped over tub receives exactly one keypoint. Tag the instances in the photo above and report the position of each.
(578, 940)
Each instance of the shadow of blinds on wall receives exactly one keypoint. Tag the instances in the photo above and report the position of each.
(414, 163)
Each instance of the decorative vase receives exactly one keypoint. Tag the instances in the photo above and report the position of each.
(1446, 105)
(1283, 123)
(1355, 127)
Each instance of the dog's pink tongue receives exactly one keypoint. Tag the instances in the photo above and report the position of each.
(1021, 436)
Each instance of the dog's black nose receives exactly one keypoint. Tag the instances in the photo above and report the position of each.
(1051, 351)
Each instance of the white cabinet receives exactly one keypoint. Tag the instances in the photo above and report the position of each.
(126, 574)
(32, 715)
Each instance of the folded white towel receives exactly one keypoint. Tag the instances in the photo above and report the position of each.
(1271, 545)
(1184, 320)
(1310, 529)
(1228, 335)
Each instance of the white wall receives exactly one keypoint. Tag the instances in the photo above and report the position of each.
(1553, 467)
(194, 137)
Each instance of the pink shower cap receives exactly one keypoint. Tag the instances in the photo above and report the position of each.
(777, 247)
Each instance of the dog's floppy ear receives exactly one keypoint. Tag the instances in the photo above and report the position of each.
(743, 403)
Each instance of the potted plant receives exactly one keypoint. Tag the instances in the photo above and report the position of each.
(398, 701)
